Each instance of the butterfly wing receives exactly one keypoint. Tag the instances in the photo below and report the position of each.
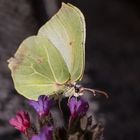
(66, 30)
(38, 68)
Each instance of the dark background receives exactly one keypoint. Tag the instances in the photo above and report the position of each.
(112, 59)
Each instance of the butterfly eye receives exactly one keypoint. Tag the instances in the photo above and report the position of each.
(77, 88)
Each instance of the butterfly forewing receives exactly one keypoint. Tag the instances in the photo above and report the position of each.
(66, 30)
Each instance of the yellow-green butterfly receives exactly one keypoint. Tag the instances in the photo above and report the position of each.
(53, 60)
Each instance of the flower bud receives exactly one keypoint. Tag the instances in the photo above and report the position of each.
(78, 108)
(45, 134)
(21, 121)
(42, 106)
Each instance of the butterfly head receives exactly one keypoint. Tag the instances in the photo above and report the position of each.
(77, 88)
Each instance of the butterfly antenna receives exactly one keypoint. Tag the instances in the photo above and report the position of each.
(94, 91)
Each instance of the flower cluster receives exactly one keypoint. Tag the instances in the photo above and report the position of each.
(47, 130)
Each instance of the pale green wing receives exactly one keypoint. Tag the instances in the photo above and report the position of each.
(66, 30)
(38, 68)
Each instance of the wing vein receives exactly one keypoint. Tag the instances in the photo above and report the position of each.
(50, 63)
(36, 72)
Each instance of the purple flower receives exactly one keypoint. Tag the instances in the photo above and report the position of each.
(21, 121)
(45, 134)
(78, 108)
(42, 106)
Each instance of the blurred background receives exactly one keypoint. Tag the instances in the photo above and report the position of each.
(112, 59)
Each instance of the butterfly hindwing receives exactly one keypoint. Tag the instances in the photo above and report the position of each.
(38, 67)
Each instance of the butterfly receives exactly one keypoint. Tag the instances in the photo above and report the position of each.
(52, 61)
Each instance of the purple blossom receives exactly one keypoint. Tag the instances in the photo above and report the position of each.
(45, 134)
(78, 108)
(42, 106)
(21, 121)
